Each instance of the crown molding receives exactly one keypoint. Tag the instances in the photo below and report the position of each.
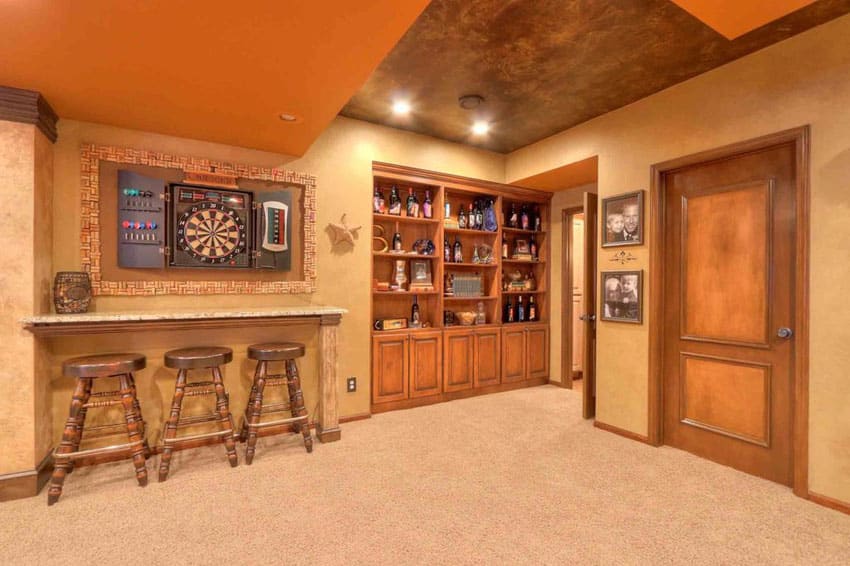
(28, 107)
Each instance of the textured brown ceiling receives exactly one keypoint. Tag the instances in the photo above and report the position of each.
(547, 65)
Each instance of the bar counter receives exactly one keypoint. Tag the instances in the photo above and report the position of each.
(326, 318)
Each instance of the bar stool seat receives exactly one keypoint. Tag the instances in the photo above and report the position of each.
(299, 419)
(183, 360)
(276, 351)
(86, 369)
(198, 358)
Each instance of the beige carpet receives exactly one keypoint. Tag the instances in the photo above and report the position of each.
(512, 478)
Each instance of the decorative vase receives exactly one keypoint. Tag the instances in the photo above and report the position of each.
(71, 292)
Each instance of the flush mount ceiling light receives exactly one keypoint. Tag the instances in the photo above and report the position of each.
(289, 118)
(401, 107)
(480, 128)
(470, 101)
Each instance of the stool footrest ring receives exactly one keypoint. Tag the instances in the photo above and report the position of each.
(95, 451)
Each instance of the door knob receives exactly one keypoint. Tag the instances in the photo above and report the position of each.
(590, 317)
(785, 332)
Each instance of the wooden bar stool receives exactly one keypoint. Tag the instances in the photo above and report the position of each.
(275, 352)
(183, 360)
(86, 369)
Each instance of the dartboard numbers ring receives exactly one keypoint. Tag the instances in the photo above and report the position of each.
(211, 233)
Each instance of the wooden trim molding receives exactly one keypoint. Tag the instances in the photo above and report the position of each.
(800, 138)
(28, 107)
(18, 485)
(567, 314)
(622, 432)
(90, 238)
(842, 506)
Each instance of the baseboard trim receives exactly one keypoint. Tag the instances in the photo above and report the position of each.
(558, 384)
(622, 432)
(19, 485)
(835, 504)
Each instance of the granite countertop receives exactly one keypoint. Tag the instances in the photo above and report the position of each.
(58, 319)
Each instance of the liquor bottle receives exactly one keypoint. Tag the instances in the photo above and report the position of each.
(427, 206)
(475, 257)
(378, 204)
(532, 309)
(509, 311)
(395, 201)
(397, 242)
(461, 218)
(490, 218)
(504, 247)
(458, 251)
(523, 219)
(472, 218)
(532, 244)
(480, 315)
(415, 321)
(447, 251)
(513, 220)
(412, 204)
(479, 216)
(520, 310)
(447, 209)
(538, 222)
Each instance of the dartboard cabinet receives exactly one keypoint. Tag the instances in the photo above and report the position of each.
(183, 225)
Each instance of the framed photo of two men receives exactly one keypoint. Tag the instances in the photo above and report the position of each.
(622, 220)
(622, 296)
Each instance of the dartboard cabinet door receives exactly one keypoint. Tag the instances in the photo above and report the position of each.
(141, 220)
(273, 236)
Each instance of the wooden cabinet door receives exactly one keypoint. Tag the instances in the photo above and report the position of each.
(488, 355)
(513, 354)
(426, 363)
(458, 352)
(537, 352)
(389, 368)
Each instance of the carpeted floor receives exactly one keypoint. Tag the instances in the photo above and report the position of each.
(511, 478)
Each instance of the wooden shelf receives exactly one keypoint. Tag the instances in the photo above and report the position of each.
(403, 256)
(403, 293)
(468, 231)
(403, 219)
(483, 298)
(507, 230)
(405, 331)
(468, 264)
(524, 261)
(538, 292)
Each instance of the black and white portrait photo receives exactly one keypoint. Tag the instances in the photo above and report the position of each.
(622, 220)
(622, 296)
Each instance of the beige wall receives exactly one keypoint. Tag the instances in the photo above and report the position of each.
(342, 161)
(804, 80)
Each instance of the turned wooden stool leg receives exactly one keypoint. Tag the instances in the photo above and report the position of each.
(256, 411)
(225, 419)
(139, 413)
(171, 426)
(69, 435)
(243, 432)
(134, 430)
(81, 419)
(296, 402)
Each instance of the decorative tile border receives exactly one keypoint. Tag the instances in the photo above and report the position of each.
(90, 242)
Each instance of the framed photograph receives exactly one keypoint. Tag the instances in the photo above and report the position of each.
(420, 274)
(622, 296)
(622, 220)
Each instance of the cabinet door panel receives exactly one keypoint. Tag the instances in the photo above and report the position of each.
(458, 361)
(488, 356)
(426, 364)
(389, 368)
(513, 354)
(537, 348)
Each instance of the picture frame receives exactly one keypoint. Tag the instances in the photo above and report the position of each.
(420, 274)
(522, 247)
(621, 220)
(621, 296)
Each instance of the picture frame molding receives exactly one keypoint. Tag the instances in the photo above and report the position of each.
(603, 219)
(603, 275)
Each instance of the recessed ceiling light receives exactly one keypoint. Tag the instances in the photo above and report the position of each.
(470, 101)
(401, 107)
(480, 128)
(286, 117)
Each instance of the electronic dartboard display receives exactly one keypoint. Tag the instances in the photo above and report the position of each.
(181, 225)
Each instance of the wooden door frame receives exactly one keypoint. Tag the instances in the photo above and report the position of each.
(800, 427)
(567, 293)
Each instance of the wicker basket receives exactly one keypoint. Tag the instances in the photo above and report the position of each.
(71, 292)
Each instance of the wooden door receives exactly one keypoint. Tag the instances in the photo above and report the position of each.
(458, 352)
(426, 363)
(488, 355)
(729, 264)
(589, 317)
(513, 354)
(537, 352)
(389, 368)
(577, 286)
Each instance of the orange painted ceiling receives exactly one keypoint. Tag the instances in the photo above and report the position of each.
(566, 177)
(734, 18)
(216, 70)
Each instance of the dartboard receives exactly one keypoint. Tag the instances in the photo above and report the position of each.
(211, 232)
